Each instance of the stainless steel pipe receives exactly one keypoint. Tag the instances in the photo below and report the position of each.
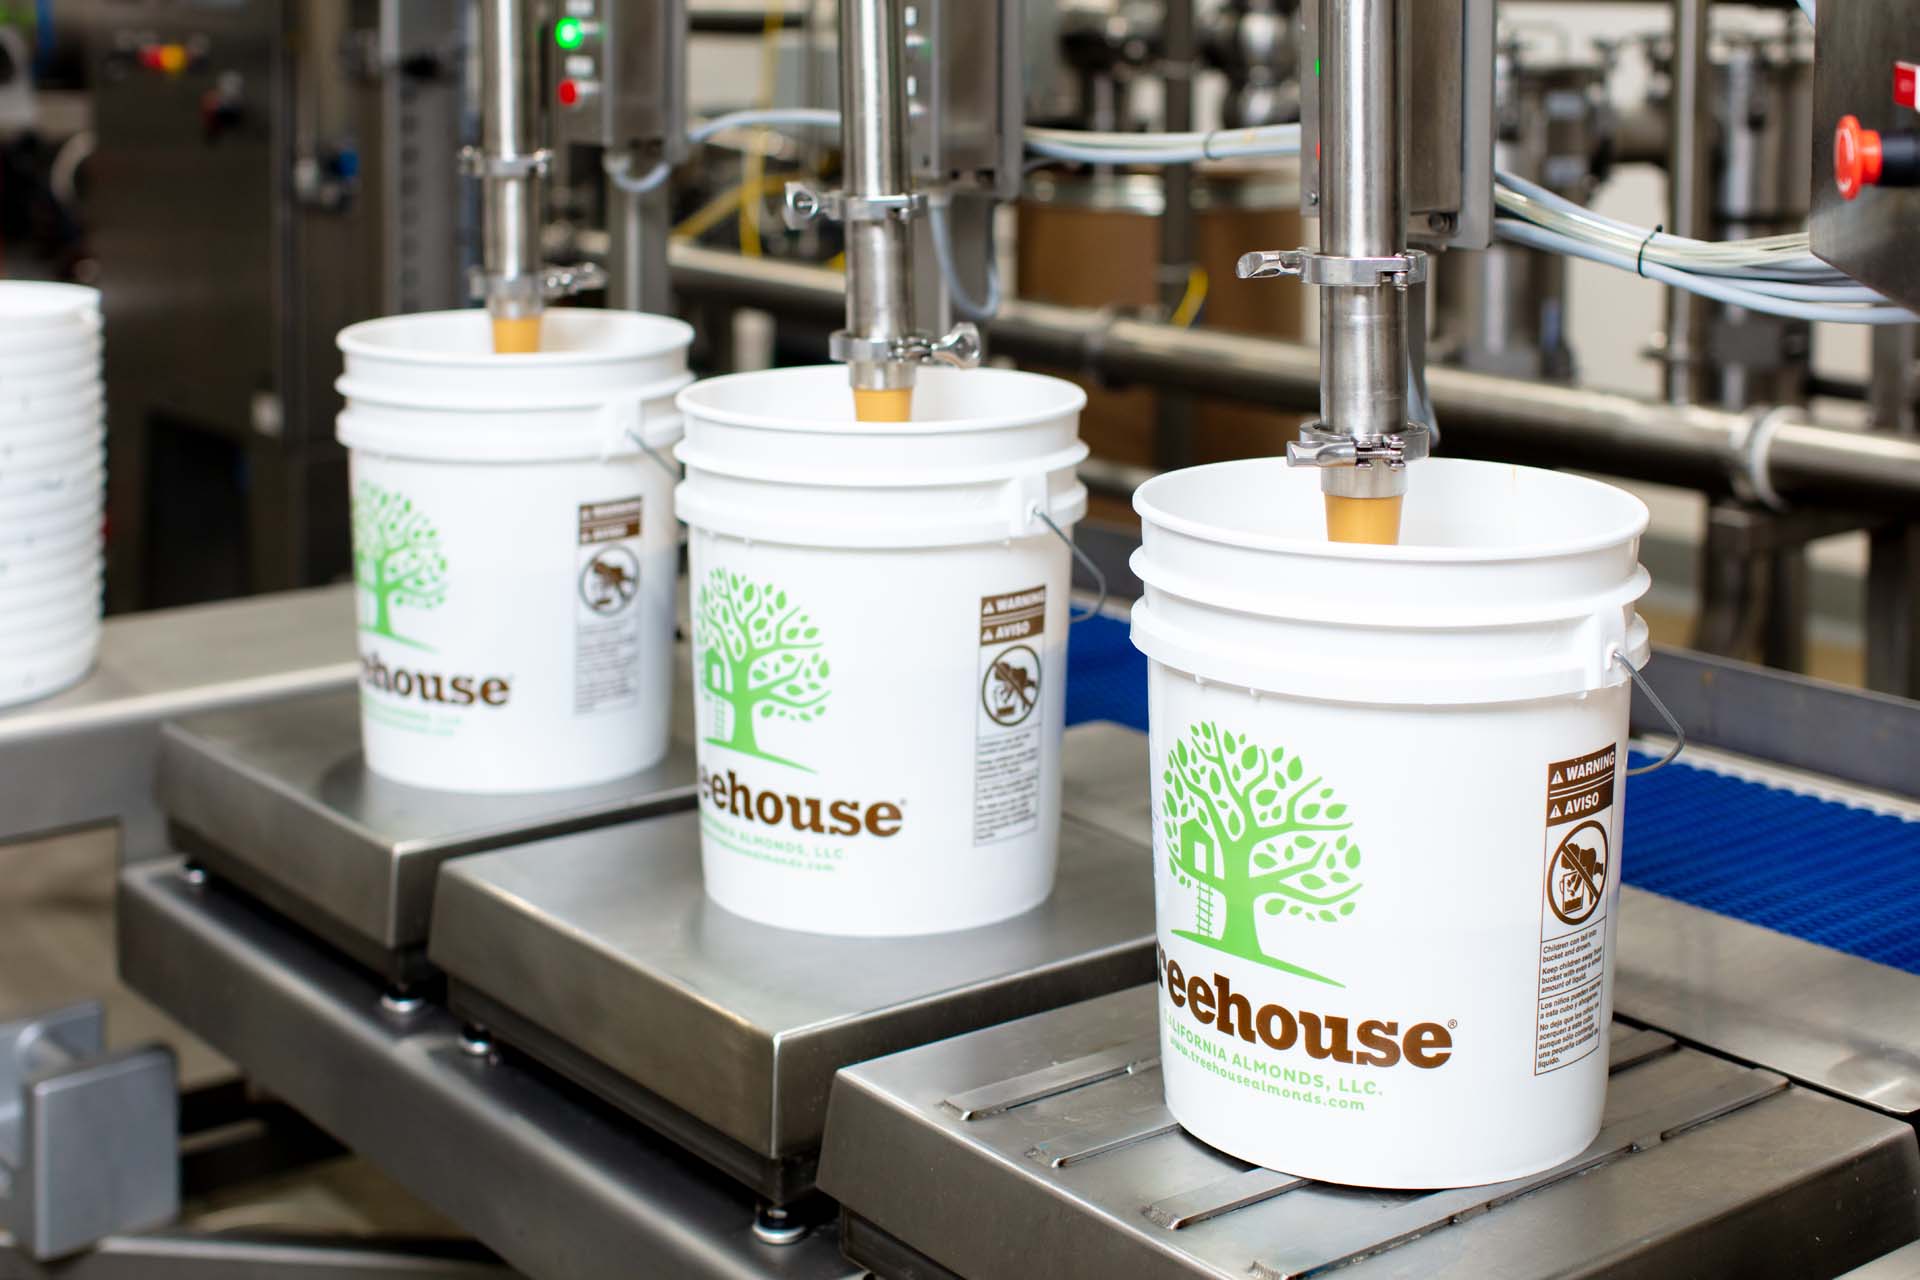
(879, 306)
(1481, 415)
(507, 163)
(1363, 372)
(1689, 191)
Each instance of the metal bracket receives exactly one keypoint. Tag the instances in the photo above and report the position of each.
(959, 349)
(552, 282)
(89, 1141)
(476, 163)
(1398, 270)
(1318, 447)
(564, 282)
(804, 204)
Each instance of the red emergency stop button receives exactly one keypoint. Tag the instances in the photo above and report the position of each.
(1856, 157)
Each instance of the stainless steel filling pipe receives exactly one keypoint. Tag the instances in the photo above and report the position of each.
(879, 306)
(1504, 418)
(508, 164)
(1363, 371)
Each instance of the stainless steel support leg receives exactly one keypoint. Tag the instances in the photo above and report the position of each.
(637, 268)
(1689, 184)
(1173, 424)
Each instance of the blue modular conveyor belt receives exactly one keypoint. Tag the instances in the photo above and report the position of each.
(1821, 870)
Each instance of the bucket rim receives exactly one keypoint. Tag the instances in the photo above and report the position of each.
(1074, 402)
(1401, 553)
(357, 340)
(357, 392)
(57, 301)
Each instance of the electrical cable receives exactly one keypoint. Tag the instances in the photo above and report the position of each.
(619, 171)
(1087, 147)
(772, 117)
(1721, 289)
(1777, 275)
(942, 236)
(1188, 311)
(619, 168)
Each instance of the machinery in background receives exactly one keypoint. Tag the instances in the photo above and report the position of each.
(1503, 309)
(1867, 82)
(266, 174)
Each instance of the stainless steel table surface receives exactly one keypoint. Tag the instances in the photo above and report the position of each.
(86, 756)
(278, 798)
(1043, 1148)
(601, 954)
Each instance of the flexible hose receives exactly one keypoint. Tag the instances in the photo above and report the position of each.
(963, 301)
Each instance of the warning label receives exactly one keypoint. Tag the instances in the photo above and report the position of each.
(606, 633)
(1573, 912)
(1006, 759)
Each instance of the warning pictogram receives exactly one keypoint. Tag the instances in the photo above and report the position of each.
(1578, 870)
(1577, 876)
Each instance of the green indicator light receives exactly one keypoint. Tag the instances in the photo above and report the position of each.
(568, 34)
(1316, 66)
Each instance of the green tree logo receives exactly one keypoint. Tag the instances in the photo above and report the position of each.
(1249, 829)
(396, 559)
(760, 656)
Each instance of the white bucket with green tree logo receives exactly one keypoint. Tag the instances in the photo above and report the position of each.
(880, 636)
(1387, 792)
(515, 546)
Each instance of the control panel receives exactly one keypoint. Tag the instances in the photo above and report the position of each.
(966, 93)
(617, 76)
(1866, 165)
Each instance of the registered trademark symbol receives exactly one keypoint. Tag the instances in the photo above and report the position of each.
(1452, 1024)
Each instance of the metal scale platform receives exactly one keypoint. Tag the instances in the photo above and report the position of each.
(1037, 1147)
(573, 926)
(276, 799)
(1057, 1158)
(600, 956)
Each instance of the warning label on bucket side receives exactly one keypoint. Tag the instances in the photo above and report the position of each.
(606, 632)
(1006, 757)
(1578, 861)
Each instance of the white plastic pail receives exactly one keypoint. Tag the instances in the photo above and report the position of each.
(81, 582)
(47, 666)
(880, 635)
(75, 560)
(83, 493)
(1387, 789)
(38, 307)
(52, 454)
(515, 546)
(55, 529)
(68, 361)
(24, 402)
(67, 335)
(83, 403)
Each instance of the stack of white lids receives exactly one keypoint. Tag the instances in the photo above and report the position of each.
(52, 486)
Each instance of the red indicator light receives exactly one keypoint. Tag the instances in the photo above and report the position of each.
(1906, 85)
(150, 57)
(569, 93)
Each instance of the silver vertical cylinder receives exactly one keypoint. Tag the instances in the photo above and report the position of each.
(1363, 339)
(1690, 187)
(510, 214)
(874, 141)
